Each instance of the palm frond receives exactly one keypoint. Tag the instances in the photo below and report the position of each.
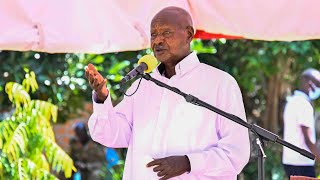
(28, 169)
(43, 162)
(17, 94)
(22, 171)
(16, 143)
(48, 110)
(42, 112)
(58, 159)
(7, 128)
(48, 132)
(36, 155)
(1, 168)
(30, 82)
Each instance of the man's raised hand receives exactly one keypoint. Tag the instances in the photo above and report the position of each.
(97, 83)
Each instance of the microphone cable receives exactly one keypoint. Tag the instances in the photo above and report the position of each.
(124, 92)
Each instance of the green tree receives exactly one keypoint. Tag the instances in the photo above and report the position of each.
(61, 76)
(27, 143)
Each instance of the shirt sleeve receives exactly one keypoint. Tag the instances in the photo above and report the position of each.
(112, 126)
(231, 153)
(305, 115)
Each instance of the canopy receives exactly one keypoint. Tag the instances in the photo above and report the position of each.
(103, 26)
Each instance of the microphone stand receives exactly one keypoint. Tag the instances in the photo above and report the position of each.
(261, 134)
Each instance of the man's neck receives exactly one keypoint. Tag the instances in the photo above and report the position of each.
(169, 71)
(304, 91)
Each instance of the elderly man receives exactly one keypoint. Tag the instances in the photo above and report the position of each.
(166, 136)
(299, 125)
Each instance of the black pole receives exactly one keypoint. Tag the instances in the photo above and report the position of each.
(261, 158)
(261, 134)
(260, 166)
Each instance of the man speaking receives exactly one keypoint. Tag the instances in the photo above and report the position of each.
(167, 137)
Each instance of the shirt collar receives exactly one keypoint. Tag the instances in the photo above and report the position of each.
(184, 66)
(302, 94)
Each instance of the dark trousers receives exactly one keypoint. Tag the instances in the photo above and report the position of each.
(308, 171)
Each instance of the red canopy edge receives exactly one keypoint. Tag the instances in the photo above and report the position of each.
(207, 36)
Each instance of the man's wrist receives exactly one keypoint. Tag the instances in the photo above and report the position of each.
(99, 98)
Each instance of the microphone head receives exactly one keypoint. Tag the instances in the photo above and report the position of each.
(150, 61)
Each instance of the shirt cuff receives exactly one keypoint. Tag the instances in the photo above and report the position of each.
(197, 162)
(101, 108)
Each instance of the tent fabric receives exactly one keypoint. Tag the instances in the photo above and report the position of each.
(58, 26)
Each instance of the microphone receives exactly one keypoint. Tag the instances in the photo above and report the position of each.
(146, 64)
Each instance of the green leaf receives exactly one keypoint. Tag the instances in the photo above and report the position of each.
(118, 67)
(58, 158)
(98, 59)
(17, 94)
(16, 143)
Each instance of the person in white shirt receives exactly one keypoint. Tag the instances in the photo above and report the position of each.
(299, 125)
(168, 138)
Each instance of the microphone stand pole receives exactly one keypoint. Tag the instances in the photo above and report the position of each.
(261, 134)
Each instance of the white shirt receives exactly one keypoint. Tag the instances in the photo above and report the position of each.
(157, 123)
(298, 112)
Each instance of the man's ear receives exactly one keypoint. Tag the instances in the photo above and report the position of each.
(190, 32)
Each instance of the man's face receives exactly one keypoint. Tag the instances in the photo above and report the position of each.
(169, 41)
(314, 83)
(314, 88)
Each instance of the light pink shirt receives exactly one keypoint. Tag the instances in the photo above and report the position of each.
(156, 123)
